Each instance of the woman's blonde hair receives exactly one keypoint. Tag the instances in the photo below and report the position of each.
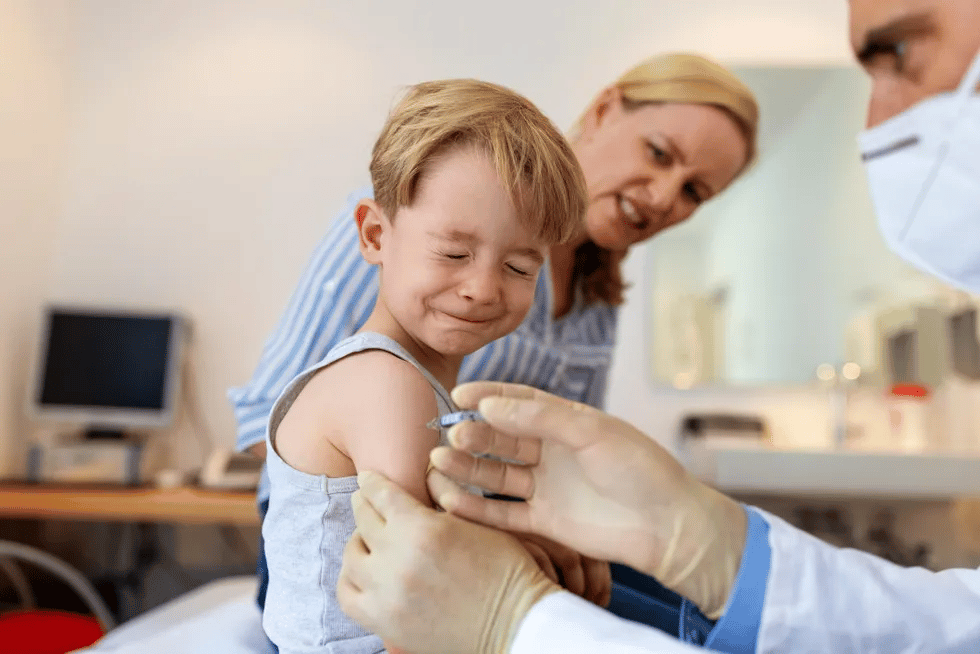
(530, 154)
(674, 78)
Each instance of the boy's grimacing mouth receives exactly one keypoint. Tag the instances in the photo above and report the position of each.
(473, 320)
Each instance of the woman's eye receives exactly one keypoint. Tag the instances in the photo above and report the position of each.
(692, 193)
(657, 154)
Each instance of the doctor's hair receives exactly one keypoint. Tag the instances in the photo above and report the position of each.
(531, 156)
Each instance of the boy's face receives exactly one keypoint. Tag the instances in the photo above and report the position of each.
(458, 267)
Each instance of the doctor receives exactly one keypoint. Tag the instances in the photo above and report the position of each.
(431, 582)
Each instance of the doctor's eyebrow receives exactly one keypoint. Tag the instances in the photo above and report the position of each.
(884, 37)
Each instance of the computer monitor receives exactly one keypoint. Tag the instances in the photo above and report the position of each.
(108, 371)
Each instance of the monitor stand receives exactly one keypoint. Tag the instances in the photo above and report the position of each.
(104, 434)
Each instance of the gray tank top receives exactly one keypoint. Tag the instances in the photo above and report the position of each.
(309, 522)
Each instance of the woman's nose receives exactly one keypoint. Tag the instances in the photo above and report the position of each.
(662, 192)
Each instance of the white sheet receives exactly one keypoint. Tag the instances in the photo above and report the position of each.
(218, 618)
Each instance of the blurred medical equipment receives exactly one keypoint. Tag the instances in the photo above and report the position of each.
(101, 379)
(726, 429)
(86, 461)
(449, 419)
(108, 372)
(923, 357)
(693, 353)
(226, 468)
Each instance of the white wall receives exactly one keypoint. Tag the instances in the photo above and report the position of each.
(211, 141)
(33, 115)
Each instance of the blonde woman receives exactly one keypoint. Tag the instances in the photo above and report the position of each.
(663, 139)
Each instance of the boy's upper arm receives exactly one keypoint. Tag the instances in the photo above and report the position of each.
(390, 403)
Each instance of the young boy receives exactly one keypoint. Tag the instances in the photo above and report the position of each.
(472, 186)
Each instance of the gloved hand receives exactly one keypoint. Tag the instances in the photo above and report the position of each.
(593, 483)
(408, 567)
(578, 574)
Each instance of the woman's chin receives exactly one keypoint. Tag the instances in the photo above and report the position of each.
(609, 240)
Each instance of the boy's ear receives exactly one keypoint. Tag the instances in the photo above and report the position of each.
(371, 226)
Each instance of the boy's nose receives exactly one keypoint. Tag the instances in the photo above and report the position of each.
(481, 286)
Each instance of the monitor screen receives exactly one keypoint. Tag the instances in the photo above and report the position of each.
(109, 369)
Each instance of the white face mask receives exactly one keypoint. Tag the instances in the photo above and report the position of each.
(923, 169)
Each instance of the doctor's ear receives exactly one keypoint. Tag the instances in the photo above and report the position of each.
(371, 226)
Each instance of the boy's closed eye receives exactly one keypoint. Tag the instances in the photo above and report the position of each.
(522, 269)
(455, 256)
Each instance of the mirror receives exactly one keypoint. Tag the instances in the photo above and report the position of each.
(774, 277)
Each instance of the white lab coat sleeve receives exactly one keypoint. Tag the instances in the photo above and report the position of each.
(563, 623)
(821, 598)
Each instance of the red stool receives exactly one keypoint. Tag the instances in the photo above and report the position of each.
(31, 630)
(45, 631)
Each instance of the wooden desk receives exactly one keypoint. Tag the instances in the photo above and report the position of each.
(185, 505)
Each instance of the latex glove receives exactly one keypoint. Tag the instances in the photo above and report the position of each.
(578, 574)
(593, 483)
(427, 581)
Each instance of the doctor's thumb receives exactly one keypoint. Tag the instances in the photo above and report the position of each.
(387, 497)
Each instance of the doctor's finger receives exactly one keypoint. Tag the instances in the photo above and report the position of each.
(481, 438)
(502, 514)
(598, 581)
(388, 498)
(354, 563)
(570, 569)
(348, 596)
(370, 524)
(552, 419)
(541, 557)
(468, 395)
(494, 476)
(568, 562)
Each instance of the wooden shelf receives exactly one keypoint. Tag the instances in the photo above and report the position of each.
(186, 505)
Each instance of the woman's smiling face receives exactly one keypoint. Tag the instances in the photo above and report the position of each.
(650, 167)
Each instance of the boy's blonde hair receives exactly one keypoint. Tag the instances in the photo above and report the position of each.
(531, 156)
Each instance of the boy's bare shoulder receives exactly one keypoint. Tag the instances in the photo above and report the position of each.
(365, 377)
(368, 396)
(375, 391)
(386, 403)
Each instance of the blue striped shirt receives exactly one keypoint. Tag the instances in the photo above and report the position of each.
(569, 357)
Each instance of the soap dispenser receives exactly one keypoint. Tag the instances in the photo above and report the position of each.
(838, 384)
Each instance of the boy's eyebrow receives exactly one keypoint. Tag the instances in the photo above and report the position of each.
(532, 254)
(454, 235)
(458, 236)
